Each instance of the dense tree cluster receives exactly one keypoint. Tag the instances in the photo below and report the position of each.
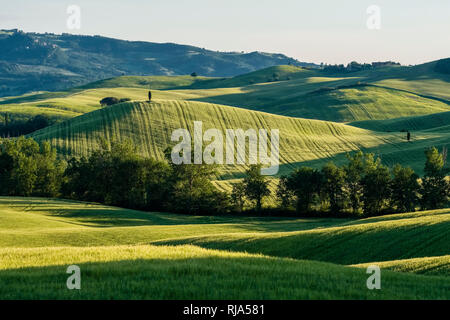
(10, 127)
(365, 186)
(109, 101)
(29, 169)
(355, 66)
(117, 175)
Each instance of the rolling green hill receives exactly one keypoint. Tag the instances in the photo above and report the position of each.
(302, 141)
(120, 254)
(358, 102)
(437, 121)
(150, 125)
(376, 239)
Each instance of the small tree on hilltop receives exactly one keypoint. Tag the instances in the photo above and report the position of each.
(109, 101)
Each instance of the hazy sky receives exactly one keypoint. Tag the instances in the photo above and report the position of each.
(411, 32)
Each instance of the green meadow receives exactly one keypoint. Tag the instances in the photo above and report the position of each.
(126, 254)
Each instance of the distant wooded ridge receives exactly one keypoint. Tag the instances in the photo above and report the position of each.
(34, 61)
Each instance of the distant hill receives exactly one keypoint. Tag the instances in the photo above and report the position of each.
(36, 62)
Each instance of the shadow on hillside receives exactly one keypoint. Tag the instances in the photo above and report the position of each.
(351, 245)
(103, 216)
(213, 277)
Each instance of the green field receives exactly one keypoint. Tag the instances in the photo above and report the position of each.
(124, 254)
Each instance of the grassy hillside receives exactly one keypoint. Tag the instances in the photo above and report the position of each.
(121, 257)
(422, 79)
(147, 82)
(427, 266)
(302, 141)
(150, 125)
(359, 102)
(377, 239)
(435, 121)
(148, 272)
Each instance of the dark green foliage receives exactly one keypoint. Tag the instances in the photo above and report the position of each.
(333, 186)
(435, 187)
(285, 195)
(355, 66)
(305, 183)
(27, 169)
(354, 172)
(109, 101)
(191, 190)
(256, 186)
(117, 176)
(238, 196)
(16, 128)
(405, 188)
(376, 185)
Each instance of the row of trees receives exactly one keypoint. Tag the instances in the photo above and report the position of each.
(17, 127)
(118, 175)
(114, 175)
(109, 101)
(355, 66)
(363, 186)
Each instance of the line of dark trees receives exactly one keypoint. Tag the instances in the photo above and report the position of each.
(365, 186)
(118, 175)
(109, 101)
(355, 66)
(11, 127)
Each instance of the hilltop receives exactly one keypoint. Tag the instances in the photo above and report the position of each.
(37, 62)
